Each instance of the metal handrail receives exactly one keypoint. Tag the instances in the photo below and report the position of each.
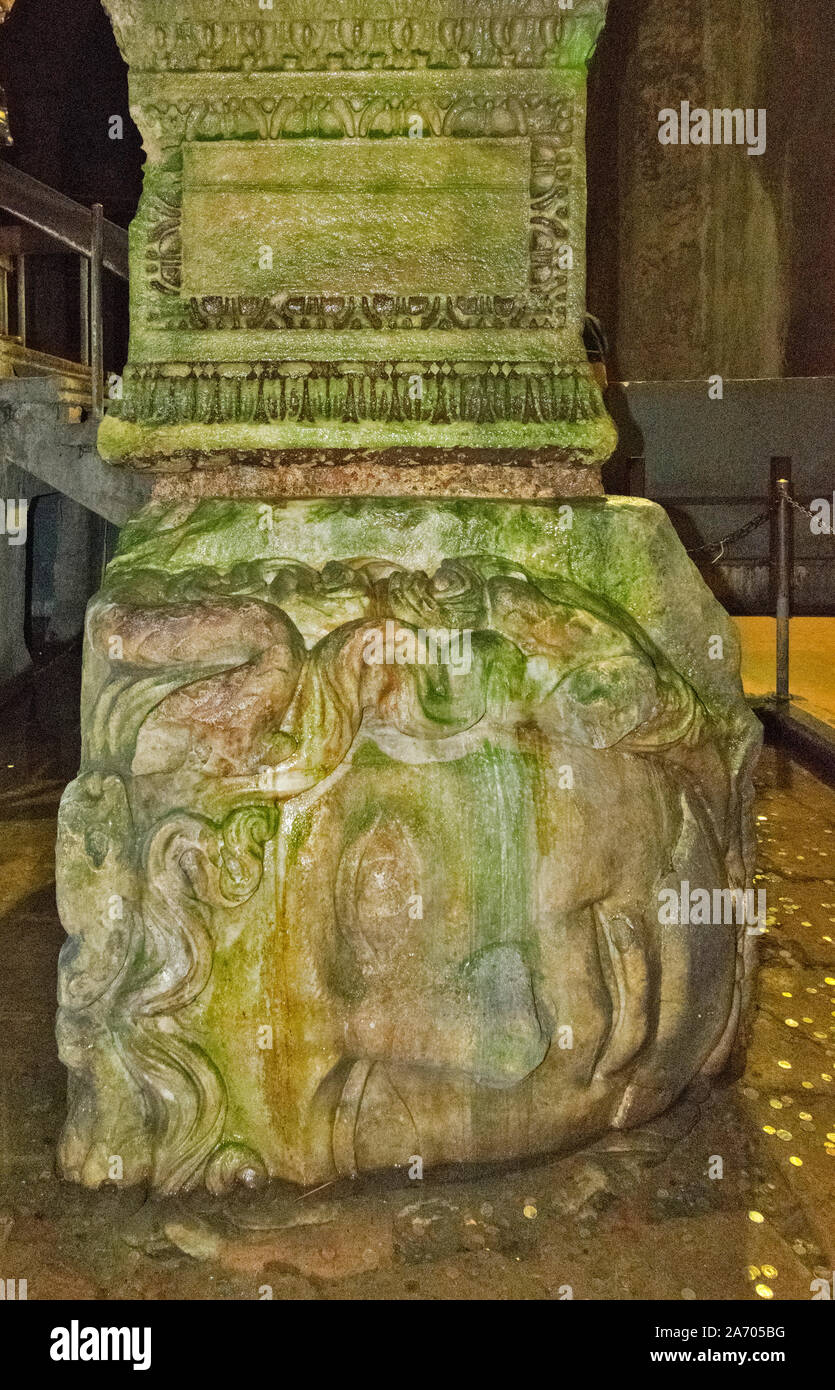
(58, 216)
(101, 245)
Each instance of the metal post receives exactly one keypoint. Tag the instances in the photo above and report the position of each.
(84, 310)
(784, 586)
(96, 322)
(20, 267)
(4, 298)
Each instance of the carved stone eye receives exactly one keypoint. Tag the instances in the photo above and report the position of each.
(386, 875)
(378, 879)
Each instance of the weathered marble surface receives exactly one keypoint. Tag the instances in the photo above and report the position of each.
(498, 474)
(361, 227)
(331, 907)
(387, 865)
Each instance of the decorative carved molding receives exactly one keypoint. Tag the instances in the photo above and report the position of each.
(351, 393)
(128, 976)
(256, 39)
(321, 76)
(552, 172)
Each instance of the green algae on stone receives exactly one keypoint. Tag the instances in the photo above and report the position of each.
(378, 798)
(367, 243)
(370, 902)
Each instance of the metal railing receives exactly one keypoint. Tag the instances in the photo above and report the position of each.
(780, 510)
(101, 245)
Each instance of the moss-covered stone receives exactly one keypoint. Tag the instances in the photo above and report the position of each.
(359, 228)
(337, 896)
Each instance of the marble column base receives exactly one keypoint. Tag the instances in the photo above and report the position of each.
(378, 805)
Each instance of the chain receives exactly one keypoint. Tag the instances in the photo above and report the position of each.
(807, 512)
(799, 507)
(737, 535)
(743, 531)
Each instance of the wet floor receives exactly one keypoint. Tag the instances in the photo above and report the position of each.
(730, 1196)
(812, 662)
